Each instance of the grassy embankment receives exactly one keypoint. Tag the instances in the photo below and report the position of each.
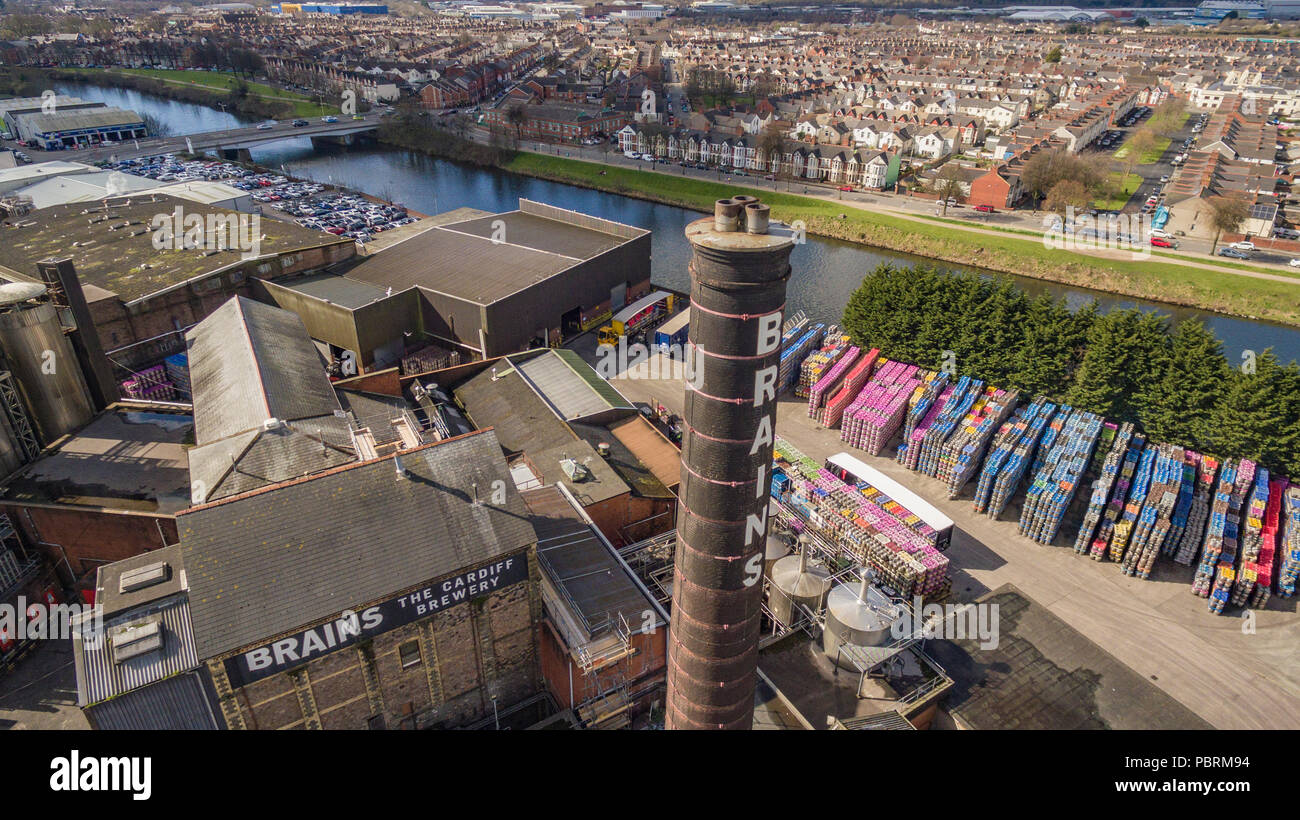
(211, 88)
(1146, 279)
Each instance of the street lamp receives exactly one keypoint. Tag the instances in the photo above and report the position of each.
(496, 718)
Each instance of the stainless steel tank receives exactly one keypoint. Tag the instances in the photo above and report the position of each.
(797, 580)
(858, 615)
(42, 362)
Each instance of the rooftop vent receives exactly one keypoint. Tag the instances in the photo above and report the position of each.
(146, 576)
(133, 640)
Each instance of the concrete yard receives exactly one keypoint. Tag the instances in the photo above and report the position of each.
(1235, 672)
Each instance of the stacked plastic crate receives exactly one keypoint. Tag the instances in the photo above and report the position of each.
(1017, 463)
(178, 373)
(1055, 483)
(1290, 570)
(830, 380)
(1108, 473)
(816, 359)
(794, 349)
(923, 409)
(1137, 495)
(1127, 470)
(1182, 510)
(1156, 518)
(833, 411)
(1004, 441)
(150, 383)
(1226, 571)
(1255, 581)
(1216, 528)
(873, 419)
(1189, 546)
(964, 396)
(964, 450)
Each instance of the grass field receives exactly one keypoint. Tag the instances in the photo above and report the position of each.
(1010, 253)
(225, 82)
(1126, 185)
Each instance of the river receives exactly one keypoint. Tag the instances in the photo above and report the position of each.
(826, 271)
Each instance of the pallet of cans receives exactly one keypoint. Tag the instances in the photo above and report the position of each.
(829, 382)
(874, 417)
(920, 417)
(1183, 507)
(178, 372)
(1255, 581)
(1290, 558)
(1055, 484)
(1252, 522)
(1156, 518)
(833, 411)
(1115, 508)
(1225, 574)
(794, 351)
(1137, 495)
(810, 356)
(1012, 470)
(964, 395)
(1108, 474)
(1198, 517)
(964, 450)
(1216, 527)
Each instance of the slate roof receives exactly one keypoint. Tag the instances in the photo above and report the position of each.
(272, 561)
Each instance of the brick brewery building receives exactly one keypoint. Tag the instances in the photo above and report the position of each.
(395, 592)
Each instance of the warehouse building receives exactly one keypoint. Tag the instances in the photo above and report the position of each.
(398, 592)
(12, 108)
(142, 298)
(83, 127)
(484, 286)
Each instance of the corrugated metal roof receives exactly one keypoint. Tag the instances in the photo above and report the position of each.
(570, 385)
(341, 290)
(589, 574)
(250, 362)
(177, 703)
(79, 120)
(99, 677)
(272, 561)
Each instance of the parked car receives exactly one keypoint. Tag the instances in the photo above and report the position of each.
(1162, 242)
(846, 188)
(985, 209)
(1295, 263)
(1233, 252)
(1247, 246)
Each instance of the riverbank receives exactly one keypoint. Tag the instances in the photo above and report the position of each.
(1247, 294)
(208, 88)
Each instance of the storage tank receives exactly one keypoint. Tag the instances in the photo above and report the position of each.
(796, 580)
(42, 361)
(778, 547)
(858, 615)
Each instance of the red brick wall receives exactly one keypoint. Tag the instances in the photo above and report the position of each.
(89, 538)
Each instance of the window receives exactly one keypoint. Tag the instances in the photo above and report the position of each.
(409, 654)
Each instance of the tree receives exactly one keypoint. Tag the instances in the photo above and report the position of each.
(1256, 417)
(1053, 56)
(948, 185)
(517, 116)
(1142, 141)
(771, 147)
(1046, 168)
(1123, 347)
(1226, 215)
(1067, 194)
(1178, 402)
(1141, 22)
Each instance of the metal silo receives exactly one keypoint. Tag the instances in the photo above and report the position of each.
(41, 361)
(857, 615)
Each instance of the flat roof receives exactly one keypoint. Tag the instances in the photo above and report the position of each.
(127, 458)
(78, 120)
(486, 259)
(1045, 674)
(129, 265)
(335, 288)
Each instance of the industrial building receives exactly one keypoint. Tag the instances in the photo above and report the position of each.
(485, 286)
(139, 669)
(398, 591)
(559, 422)
(14, 107)
(334, 9)
(80, 128)
(142, 298)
